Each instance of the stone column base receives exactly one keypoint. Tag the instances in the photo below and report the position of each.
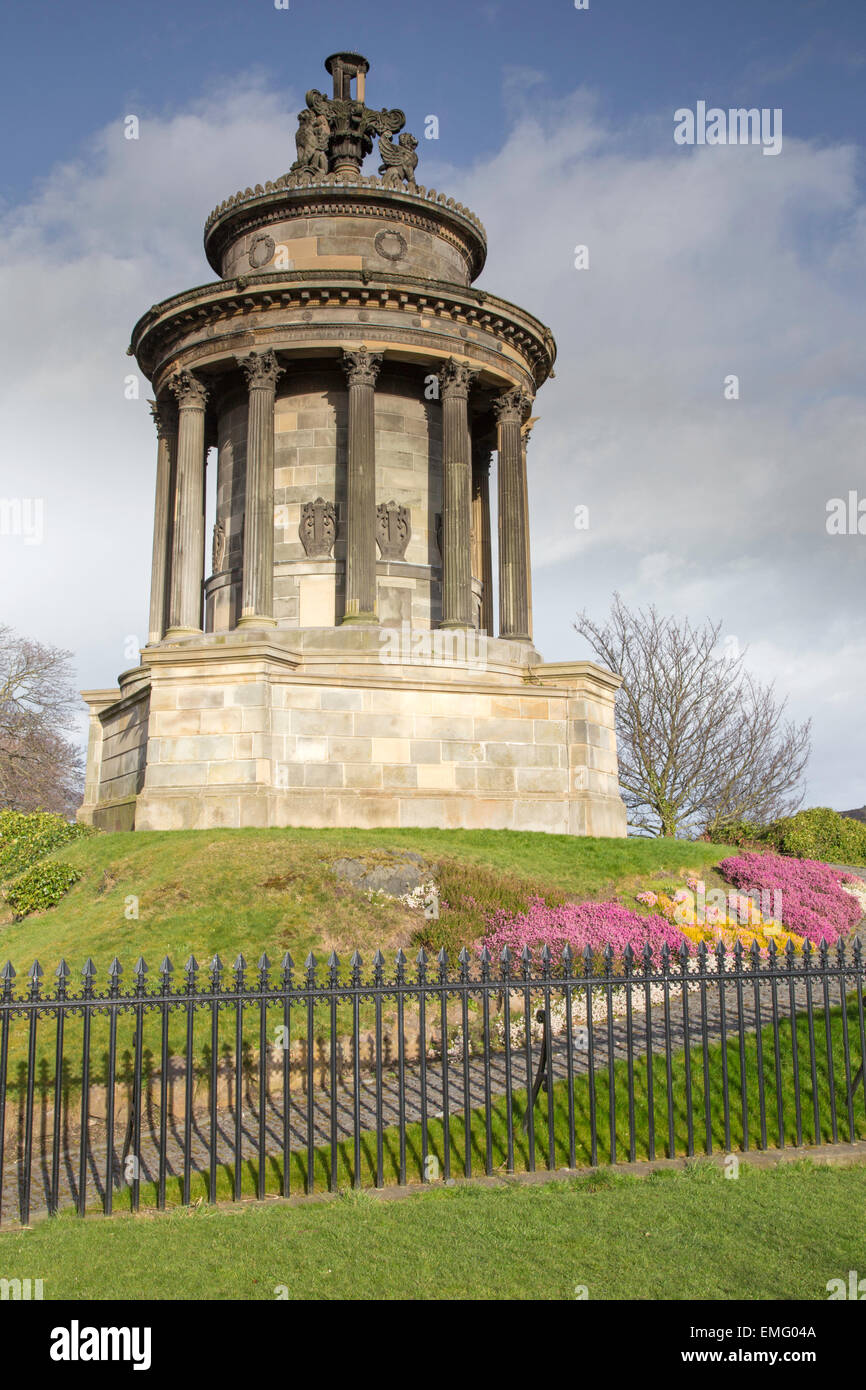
(317, 727)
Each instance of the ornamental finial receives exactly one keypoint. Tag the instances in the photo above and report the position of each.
(335, 134)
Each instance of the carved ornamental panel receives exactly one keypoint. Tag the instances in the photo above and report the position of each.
(393, 530)
(318, 528)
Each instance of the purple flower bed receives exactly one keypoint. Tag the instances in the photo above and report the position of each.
(596, 925)
(814, 904)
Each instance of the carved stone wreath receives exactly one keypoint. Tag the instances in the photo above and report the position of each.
(261, 252)
(390, 244)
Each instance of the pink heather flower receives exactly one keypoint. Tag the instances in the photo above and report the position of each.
(649, 899)
(596, 925)
(814, 905)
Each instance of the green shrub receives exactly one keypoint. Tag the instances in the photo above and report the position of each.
(817, 833)
(745, 834)
(40, 887)
(820, 833)
(25, 838)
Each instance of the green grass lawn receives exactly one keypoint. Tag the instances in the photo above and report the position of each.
(780, 1233)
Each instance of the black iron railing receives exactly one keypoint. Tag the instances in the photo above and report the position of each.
(230, 1082)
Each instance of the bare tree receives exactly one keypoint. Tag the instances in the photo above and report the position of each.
(701, 743)
(40, 768)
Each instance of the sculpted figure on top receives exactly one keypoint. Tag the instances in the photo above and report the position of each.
(312, 138)
(399, 161)
(335, 134)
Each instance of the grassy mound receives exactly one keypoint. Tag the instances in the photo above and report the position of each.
(207, 891)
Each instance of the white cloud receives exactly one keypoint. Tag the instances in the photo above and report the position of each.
(703, 262)
(104, 238)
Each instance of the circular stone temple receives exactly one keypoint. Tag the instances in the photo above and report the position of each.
(336, 663)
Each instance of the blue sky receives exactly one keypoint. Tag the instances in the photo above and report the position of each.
(556, 128)
(69, 68)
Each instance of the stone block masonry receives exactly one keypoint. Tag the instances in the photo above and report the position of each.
(277, 733)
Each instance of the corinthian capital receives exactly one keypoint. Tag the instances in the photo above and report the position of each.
(262, 370)
(512, 406)
(164, 418)
(455, 378)
(361, 366)
(190, 392)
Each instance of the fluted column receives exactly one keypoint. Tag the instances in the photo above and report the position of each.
(361, 368)
(455, 380)
(262, 370)
(524, 436)
(483, 566)
(513, 573)
(165, 418)
(187, 555)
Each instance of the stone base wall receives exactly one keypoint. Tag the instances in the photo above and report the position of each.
(247, 730)
(116, 753)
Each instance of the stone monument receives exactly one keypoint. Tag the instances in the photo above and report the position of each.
(338, 666)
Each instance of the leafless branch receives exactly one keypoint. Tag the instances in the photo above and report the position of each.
(701, 743)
